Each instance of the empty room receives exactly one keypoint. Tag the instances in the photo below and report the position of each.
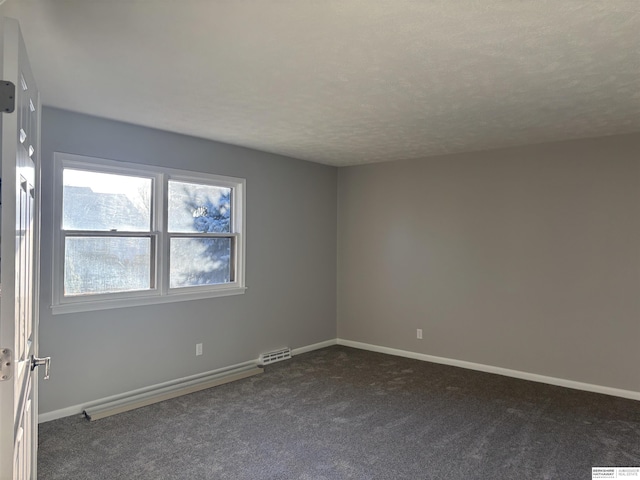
(320, 240)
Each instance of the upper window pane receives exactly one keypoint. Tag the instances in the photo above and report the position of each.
(196, 207)
(105, 202)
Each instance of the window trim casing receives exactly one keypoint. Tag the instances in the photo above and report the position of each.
(159, 222)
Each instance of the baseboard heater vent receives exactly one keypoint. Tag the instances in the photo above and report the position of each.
(275, 356)
(159, 393)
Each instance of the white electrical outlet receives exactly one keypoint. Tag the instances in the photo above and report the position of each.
(419, 334)
(198, 349)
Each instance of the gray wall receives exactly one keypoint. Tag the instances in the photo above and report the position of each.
(290, 270)
(526, 258)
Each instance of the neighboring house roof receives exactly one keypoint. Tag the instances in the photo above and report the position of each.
(85, 209)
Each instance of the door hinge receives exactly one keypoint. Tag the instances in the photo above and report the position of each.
(7, 96)
(6, 364)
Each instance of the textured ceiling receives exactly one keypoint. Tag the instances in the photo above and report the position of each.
(344, 82)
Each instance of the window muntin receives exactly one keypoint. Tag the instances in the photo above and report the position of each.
(135, 235)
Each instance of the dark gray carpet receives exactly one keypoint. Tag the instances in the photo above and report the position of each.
(341, 413)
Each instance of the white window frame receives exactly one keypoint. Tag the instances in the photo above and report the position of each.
(160, 292)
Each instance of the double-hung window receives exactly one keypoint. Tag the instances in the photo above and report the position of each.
(130, 234)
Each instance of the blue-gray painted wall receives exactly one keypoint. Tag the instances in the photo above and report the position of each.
(290, 269)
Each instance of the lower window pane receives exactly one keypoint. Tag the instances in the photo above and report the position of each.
(200, 261)
(106, 265)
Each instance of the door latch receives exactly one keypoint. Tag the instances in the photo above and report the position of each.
(37, 362)
(6, 359)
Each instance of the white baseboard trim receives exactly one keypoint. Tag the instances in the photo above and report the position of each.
(315, 346)
(201, 377)
(61, 413)
(198, 379)
(560, 382)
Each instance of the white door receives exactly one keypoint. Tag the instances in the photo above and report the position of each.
(19, 261)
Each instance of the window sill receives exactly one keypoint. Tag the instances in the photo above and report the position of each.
(92, 305)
